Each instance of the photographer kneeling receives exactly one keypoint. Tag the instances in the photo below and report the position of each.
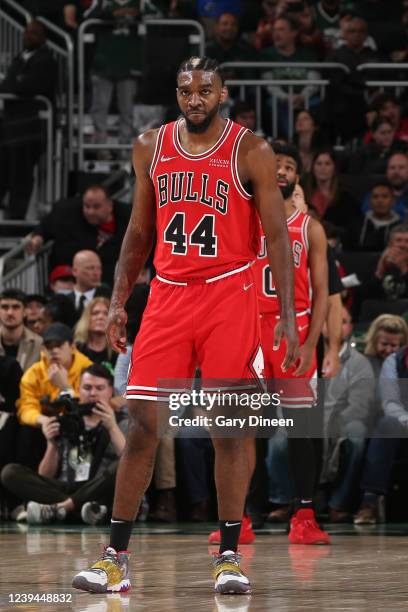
(77, 471)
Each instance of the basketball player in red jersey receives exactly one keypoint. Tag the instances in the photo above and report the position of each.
(309, 246)
(190, 189)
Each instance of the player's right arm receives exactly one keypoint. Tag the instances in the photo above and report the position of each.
(138, 240)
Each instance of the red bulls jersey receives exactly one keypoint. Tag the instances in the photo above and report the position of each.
(267, 297)
(206, 221)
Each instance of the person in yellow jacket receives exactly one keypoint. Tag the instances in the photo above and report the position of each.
(59, 369)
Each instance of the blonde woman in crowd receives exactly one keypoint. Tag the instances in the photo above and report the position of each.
(386, 335)
(90, 332)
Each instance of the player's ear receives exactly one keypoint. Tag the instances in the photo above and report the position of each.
(297, 179)
(224, 94)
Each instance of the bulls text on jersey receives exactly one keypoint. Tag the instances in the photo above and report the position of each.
(178, 187)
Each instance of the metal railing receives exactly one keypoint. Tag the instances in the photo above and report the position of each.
(19, 270)
(13, 20)
(62, 47)
(46, 174)
(289, 85)
(393, 82)
(12, 26)
(85, 36)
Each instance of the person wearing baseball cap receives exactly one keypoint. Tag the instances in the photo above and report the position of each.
(62, 280)
(58, 370)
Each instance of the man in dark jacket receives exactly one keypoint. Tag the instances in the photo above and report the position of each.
(93, 222)
(32, 72)
(346, 95)
(373, 231)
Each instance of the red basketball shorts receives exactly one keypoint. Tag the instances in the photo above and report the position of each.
(294, 392)
(214, 325)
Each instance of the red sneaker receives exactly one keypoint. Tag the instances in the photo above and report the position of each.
(246, 535)
(305, 530)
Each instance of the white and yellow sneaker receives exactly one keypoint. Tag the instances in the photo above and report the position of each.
(109, 574)
(229, 577)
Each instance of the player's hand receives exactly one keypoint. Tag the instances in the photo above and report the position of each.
(305, 359)
(287, 329)
(116, 330)
(331, 364)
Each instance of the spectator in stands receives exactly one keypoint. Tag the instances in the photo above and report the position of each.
(58, 370)
(10, 376)
(72, 14)
(244, 113)
(285, 49)
(310, 36)
(387, 105)
(62, 280)
(391, 275)
(209, 12)
(327, 16)
(372, 157)
(372, 232)
(397, 176)
(16, 340)
(386, 439)
(87, 271)
(92, 222)
(323, 192)
(308, 138)
(385, 336)
(22, 134)
(263, 35)
(75, 476)
(349, 400)
(348, 12)
(33, 306)
(346, 96)
(90, 332)
(228, 46)
(116, 59)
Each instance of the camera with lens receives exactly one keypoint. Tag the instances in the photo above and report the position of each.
(69, 413)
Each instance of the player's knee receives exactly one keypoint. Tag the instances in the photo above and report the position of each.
(142, 430)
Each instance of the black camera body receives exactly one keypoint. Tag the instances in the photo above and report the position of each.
(70, 413)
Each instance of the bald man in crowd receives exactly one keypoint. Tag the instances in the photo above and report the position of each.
(87, 271)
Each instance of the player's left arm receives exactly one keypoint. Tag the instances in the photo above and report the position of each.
(320, 293)
(257, 164)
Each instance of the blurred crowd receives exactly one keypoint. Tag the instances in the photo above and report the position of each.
(63, 419)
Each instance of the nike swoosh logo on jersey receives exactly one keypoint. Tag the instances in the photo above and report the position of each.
(302, 327)
(246, 287)
(164, 158)
(227, 524)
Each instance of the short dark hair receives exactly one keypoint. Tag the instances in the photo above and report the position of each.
(201, 63)
(98, 370)
(291, 20)
(381, 183)
(13, 294)
(381, 100)
(289, 151)
(379, 121)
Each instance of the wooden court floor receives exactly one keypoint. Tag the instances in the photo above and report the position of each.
(364, 570)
